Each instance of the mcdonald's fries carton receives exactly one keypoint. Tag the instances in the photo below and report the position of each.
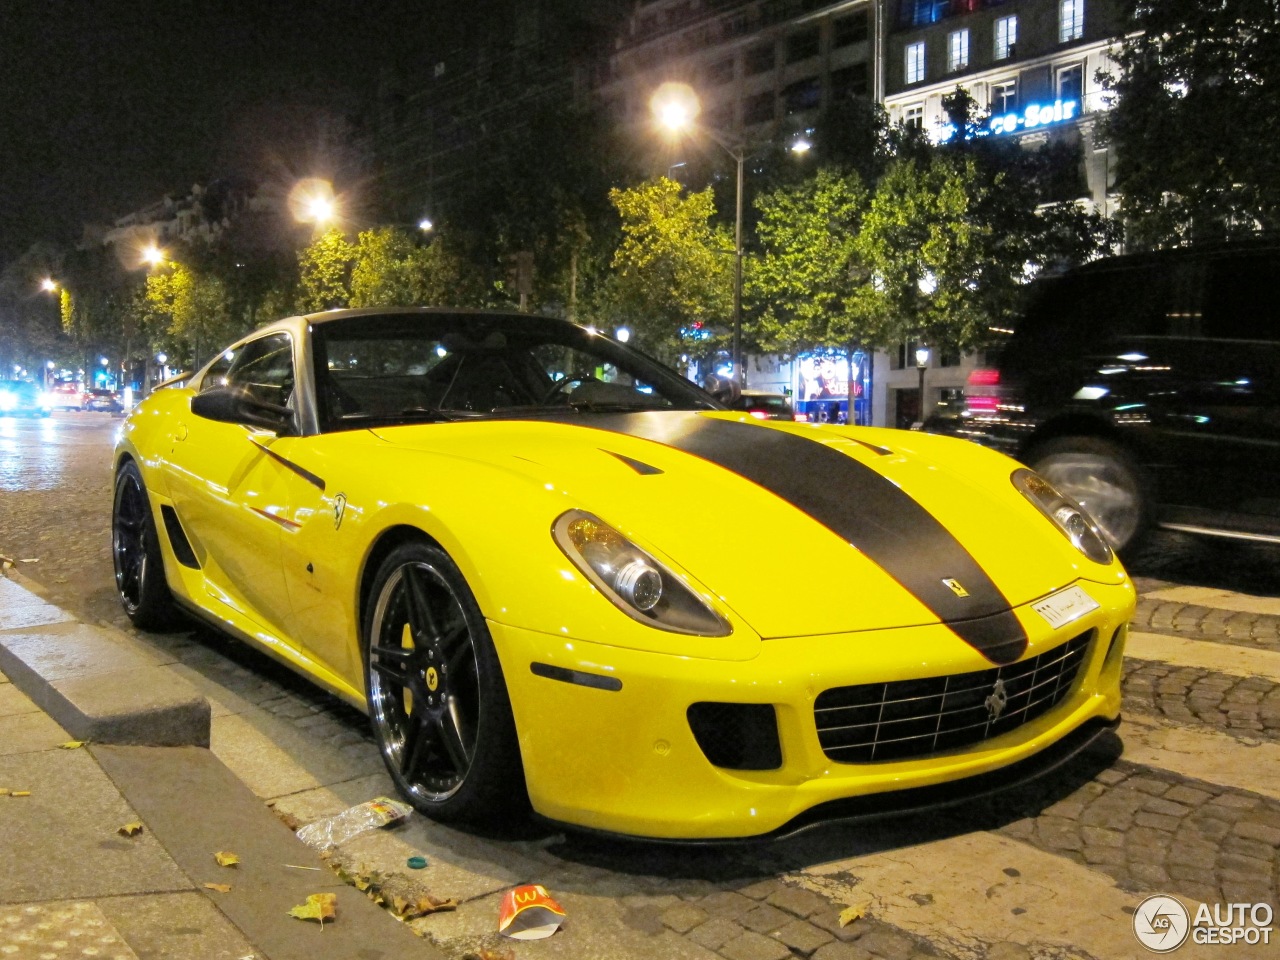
(529, 913)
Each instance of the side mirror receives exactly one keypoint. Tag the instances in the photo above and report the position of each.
(238, 405)
(724, 389)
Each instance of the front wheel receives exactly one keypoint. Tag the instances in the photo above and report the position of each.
(135, 553)
(437, 699)
(1102, 478)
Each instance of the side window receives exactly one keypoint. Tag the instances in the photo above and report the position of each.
(217, 375)
(265, 368)
(1239, 303)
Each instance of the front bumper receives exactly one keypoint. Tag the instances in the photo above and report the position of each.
(618, 753)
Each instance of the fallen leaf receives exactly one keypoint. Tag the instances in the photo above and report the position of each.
(29, 560)
(20, 793)
(412, 908)
(131, 829)
(72, 744)
(850, 914)
(319, 906)
(226, 858)
(220, 887)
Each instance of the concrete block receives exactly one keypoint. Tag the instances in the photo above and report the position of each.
(103, 688)
(20, 608)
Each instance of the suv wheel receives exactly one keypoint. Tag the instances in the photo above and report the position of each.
(1102, 478)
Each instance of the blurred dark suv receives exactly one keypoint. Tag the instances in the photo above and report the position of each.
(1147, 387)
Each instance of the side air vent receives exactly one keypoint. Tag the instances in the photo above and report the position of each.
(178, 539)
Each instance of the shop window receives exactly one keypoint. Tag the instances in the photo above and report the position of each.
(847, 30)
(1006, 37)
(802, 45)
(957, 50)
(803, 95)
(720, 72)
(1069, 83)
(758, 108)
(914, 62)
(758, 60)
(849, 82)
(1070, 20)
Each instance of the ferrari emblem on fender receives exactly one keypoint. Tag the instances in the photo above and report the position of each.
(339, 508)
(997, 701)
(956, 587)
(433, 679)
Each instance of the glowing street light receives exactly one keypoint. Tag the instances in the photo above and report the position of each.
(425, 225)
(675, 107)
(801, 146)
(152, 255)
(623, 334)
(49, 285)
(312, 201)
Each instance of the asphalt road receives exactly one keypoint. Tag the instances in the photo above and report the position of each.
(1056, 869)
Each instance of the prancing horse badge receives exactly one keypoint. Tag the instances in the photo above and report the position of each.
(956, 587)
(339, 508)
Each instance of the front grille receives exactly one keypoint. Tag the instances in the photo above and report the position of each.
(915, 718)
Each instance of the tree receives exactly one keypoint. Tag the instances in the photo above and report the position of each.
(392, 268)
(1195, 119)
(673, 275)
(805, 286)
(192, 307)
(325, 269)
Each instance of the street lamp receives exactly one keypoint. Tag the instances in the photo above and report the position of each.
(312, 201)
(49, 285)
(922, 361)
(425, 225)
(152, 255)
(622, 335)
(675, 107)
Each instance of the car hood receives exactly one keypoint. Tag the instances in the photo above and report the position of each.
(799, 529)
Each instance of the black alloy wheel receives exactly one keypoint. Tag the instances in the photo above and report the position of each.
(437, 699)
(135, 553)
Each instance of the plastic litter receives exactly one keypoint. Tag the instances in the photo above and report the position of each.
(529, 913)
(416, 863)
(341, 827)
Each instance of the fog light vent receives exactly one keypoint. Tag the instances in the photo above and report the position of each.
(737, 736)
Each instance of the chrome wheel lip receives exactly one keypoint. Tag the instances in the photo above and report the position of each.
(129, 547)
(385, 696)
(1105, 489)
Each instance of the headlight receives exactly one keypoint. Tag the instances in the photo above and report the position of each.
(1067, 515)
(638, 585)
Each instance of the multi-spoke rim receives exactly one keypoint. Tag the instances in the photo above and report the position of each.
(128, 539)
(424, 689)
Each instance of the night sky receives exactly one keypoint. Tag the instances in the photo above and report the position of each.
(105, 106)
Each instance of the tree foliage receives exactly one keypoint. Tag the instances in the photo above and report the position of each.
(1195, 119)
(673, 270)
(324, 269)
(806, 285)
(390, 267)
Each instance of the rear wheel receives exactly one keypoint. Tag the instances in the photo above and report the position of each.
(135, 552)
(437, 699)
(1102, 478)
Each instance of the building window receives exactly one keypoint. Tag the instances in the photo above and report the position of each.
(1070, 20)
(803, 45)
(1006, 37)
(758, 60)
(849, 30)
(849, 82)
(1069, 83)
(736, 25)
(720, 73)
(1004, 97)
(915, 61)
(957, 50)
(913, 116)
(803, 95)
(758, 108)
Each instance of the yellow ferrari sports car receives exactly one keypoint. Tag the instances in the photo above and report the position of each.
(554, 573)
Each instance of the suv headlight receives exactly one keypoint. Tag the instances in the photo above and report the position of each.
(1067, 515)
(638, 585)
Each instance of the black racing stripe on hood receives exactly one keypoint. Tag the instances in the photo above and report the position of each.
(855, 502)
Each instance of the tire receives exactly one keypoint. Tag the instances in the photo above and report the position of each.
(136, 556)
(437, 699)
(1101, 477)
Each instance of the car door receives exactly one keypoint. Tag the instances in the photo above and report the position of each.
(230, 492)
(1228, 403)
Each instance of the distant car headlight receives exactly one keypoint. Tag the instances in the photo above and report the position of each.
(638, 585)
(8, 402)
(1067, 515)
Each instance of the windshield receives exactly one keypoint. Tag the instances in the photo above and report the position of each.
(439, 366)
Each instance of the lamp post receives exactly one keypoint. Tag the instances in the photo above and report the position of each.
(922, 362)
